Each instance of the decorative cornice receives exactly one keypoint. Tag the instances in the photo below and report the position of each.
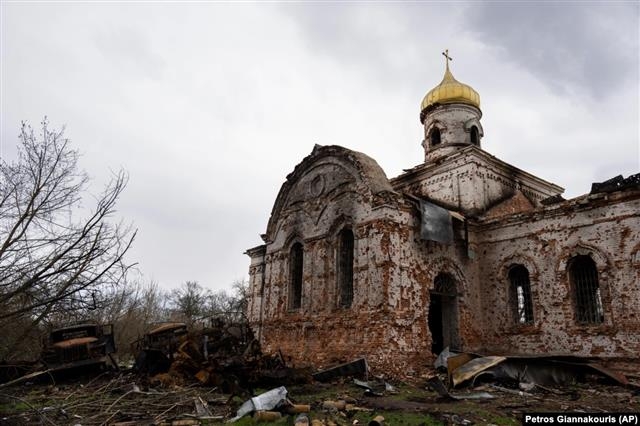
(471, 154)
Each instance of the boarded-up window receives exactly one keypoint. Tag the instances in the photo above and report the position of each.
(521, 294)
(584, 279)
(345, 267)
(296, 258)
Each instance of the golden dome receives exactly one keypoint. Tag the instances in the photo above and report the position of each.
(451, 91)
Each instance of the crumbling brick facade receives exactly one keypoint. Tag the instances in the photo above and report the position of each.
(525, 272)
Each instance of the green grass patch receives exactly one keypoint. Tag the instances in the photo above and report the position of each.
(400, 418)
(16, 407)
(248, 421)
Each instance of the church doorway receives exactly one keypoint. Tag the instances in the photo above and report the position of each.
(443, 314)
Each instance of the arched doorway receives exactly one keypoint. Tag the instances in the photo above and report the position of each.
(443, 314)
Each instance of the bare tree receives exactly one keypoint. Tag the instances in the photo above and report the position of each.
(192, 302)
(228, 306)
(188, 301)
(240, 298)
(132, 308)
(50, 261)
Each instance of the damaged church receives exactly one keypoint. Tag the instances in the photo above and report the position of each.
(462, 251)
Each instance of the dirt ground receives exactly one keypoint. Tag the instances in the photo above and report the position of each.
(126, 399)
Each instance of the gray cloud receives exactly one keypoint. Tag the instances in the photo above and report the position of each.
(583, 46)
(379, 40)
(128, 51)
(209, 106)
(572, 47)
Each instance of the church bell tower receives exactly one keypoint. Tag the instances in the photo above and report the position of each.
(450, 114)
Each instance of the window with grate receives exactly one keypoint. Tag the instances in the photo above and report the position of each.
(296, 257)
(435, 136)
(521, 294)
(584, 279)
(444, 285)
(345, 267)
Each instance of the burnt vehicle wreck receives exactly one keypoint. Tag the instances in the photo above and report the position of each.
(84, 344)
(156, 349)
(222, 354)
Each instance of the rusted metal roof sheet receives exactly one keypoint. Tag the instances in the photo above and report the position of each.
(168, 326)
(475, 366)
(75, 342)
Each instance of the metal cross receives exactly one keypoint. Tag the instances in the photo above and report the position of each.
(446, 55)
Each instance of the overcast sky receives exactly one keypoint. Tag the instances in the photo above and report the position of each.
(209, 106)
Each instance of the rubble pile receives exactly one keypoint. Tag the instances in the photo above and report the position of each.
(128, 399)
(218, 374)
(275, 405)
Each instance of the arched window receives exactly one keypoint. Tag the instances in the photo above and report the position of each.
(444, 285)
(345, 267)
(435, 136)
(475, 137)
(584, 280)
(296, 258)
(521, 294)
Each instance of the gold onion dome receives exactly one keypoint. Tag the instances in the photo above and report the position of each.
(450, 91)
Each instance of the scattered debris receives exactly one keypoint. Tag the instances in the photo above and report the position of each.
(526, 371)
(297, 408)
(358, 368)
(512, 391)
(389, 388)
(202, 408)
(369, 389)
(302, 420)
(436, 384)
(377, 421)
(127, 399)
(474, 367)
(25, 378)
(225, 355)
(15, 369)
(267, 416)
(441, 359)
(550, 371)
(334, 405)
(617, 183)
(226, 359)
(267, 401)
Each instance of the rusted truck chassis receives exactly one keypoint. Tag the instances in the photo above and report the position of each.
(156, 350)
(80, 345)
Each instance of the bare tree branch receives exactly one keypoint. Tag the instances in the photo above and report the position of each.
(50, 259)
